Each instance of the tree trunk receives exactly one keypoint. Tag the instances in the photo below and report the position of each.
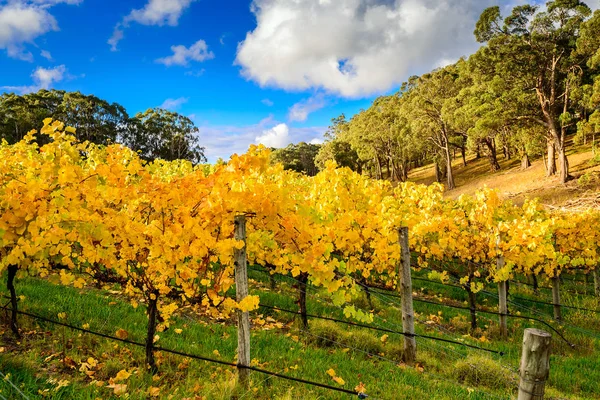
(303, 279)
(563, 164)
(378, 169)
(388, 174)
(152, 313)
(551, 169)
(596, 281)
(450, 177)
(10, 285)
(438, 174)
(463, 152)
(367, 292)
(472, 307)
(525, 163)
(535, 283)
(494, 166)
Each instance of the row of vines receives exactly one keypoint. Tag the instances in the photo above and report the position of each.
(163, 232)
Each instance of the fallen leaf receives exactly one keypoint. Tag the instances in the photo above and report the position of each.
(122, 334)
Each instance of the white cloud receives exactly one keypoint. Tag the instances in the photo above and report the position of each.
(355, 48)
(278, 136)
(316, 141)
(267, 102)
(223, 141)
(196, 74)
(21, 23)
(53, 2)
(43, 78)
(116, 37)
(159, 12)
(46, 54)
(155, 12)
(173, 104)
(301, 110)
(183, 55)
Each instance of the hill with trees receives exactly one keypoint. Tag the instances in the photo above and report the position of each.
(531, 91)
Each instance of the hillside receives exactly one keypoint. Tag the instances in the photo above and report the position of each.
(514, 183)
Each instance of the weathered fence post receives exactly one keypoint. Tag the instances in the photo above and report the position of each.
(556, 298)
(502, 295)
(535, 364)
(241, 291)
(408, 323)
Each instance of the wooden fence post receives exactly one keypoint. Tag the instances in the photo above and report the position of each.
(556, 298)
(408, 315)
(241, 291)
(502, 295)
(535, 364)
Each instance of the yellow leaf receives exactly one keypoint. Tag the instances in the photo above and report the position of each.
(178, 331)
(330, 372)
(249, 303)
(153, 391)
(339, 380)
(122, 375)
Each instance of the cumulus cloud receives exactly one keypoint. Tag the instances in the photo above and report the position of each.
(43, 78)
(155, 12)
(278, 136)
(223, 141)
(21, 23)
(301, 110)
(173, 104)
(355, 48)
(267, 102)
(183, 55)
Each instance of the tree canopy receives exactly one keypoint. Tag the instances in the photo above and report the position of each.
(156, 133)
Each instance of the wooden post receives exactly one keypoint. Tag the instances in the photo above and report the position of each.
(556, 297)
(241, 291)
(408, 315)
(502, 295)
(535, 364)
(596, 281)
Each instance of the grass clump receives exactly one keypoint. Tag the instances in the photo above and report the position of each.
(477, 370)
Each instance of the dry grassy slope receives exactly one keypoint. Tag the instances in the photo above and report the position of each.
(516, 184)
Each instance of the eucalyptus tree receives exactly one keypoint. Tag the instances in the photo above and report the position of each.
(95, 119)
(161, 134)
(426, 97)
(536, 47)
(298, 157)
(337, 148)
(588, 47)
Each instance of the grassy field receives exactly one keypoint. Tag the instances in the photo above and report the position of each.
(59, 363)
(514, 183)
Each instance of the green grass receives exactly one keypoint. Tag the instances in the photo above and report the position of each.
(49, 354)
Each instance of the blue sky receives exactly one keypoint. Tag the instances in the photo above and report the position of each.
(271, 71)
